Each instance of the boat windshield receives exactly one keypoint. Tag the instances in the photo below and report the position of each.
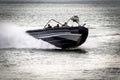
(74, 19)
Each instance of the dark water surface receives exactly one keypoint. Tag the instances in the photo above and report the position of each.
(24, 58)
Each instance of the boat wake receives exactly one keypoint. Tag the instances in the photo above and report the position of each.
(12, 36)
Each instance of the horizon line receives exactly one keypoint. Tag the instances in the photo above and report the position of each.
(59, 2)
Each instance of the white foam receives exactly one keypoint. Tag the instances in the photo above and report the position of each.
(13, 36)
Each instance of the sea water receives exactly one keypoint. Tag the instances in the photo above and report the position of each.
(24, 58)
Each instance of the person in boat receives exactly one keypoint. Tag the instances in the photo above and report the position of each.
(65, 25)
(49, 26)
(57, 26)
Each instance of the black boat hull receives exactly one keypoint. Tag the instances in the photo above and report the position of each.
(66, 37)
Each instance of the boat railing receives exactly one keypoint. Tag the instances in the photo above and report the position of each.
(52, 20)
(74, 19)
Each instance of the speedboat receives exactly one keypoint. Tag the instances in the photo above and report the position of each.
(63, 36)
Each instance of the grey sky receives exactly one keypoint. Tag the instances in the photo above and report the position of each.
(51, 0)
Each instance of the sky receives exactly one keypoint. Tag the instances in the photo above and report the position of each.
(51, 0)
